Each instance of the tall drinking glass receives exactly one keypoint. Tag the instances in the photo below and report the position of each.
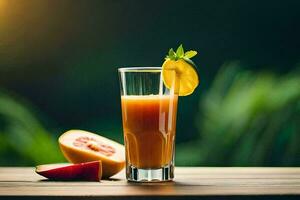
(149, 111)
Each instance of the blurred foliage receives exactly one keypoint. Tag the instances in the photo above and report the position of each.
(62, 56)
(247, 119)
(23, 139)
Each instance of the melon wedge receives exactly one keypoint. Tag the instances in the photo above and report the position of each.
(80, 146)
(90, 171)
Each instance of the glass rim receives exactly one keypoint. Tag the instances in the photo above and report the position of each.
(139, 69)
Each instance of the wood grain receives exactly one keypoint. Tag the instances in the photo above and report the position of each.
(193, 182)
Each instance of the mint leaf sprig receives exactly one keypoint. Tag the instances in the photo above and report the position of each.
(180, 54)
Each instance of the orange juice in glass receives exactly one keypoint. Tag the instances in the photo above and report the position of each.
(149, 112)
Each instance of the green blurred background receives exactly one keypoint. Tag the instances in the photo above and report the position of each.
(58, 71)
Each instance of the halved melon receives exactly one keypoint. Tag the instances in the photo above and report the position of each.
(81, 146)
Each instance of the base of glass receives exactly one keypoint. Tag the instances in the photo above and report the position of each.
(163, 174)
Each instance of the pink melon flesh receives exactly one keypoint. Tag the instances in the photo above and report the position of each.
(89, 171)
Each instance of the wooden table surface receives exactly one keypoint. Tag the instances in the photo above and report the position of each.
(189, 183)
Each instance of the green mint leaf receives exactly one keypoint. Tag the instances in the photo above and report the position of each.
(190, 54)
(172, 54)
(180, 52)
